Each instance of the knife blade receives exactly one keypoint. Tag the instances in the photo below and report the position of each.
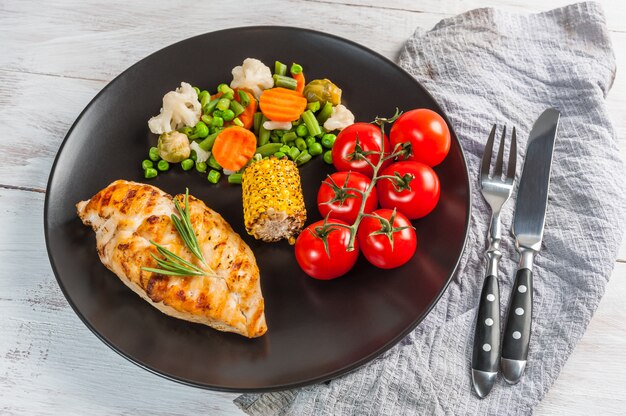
(530, 213)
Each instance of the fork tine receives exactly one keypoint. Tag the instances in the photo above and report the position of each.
(497, 173)
(510, 174)
(486, 162)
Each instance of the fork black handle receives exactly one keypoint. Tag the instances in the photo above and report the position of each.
(487, 338)
(518, 327)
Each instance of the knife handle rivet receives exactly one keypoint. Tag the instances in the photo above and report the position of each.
(519, 311)
(521, 289)
(491, 297)
(517, 335)
(488, 321)
(487, 347)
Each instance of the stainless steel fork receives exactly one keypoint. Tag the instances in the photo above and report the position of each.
(496, 190)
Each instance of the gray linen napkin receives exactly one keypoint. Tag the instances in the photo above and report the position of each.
(488, 66)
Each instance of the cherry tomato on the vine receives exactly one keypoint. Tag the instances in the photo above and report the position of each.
(427, 132)
(377, 247)
(415, 193)
(342, 204)
(311, 251)
(369, 138)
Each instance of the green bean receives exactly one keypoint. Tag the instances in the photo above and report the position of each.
(315, 149)
(217, 121)
(264, 134)
(146, 164)
(325, 113)
(279, 133)
(238, 122)
(235, 178)
(280, 68)
(285, 148)
(163, 165)
(268, 149)
(150, 173)
(153, 154)
(197, 90)
(201, 167)
(210, 107)
(244, 98)
(223, 104)
(293, 153)
(285, 82)
(289, 137)
(207, 144)
(187, 164)
(236, 108)
(302, 131)
(207, 119)
(274, 138)
(228, 114)
(200, 131)
(328, 157)
(303, 158)
(309, 141)
(314, 106)
(224, 89)
(296, 123)
(213, 163)
(311, 123)
(257, 120)
(295, 69)
(204, 97)
(279, 155)
(193, 155)
(328, 140)
(300, 144)
(214, 176)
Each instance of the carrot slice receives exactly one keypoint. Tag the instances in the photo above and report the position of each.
(300, 79)
(233, 147)
(282, 104)
(247, 117)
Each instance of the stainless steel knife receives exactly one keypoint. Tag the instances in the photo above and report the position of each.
(530, 214)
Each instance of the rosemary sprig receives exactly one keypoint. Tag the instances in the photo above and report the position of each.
(172, 264)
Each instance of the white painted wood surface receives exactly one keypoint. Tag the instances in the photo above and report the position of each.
(55, 56)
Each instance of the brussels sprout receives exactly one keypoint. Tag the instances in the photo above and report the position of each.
(174, 147)
(322, 90)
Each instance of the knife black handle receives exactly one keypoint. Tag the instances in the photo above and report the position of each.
(518, 327)
(487, 333)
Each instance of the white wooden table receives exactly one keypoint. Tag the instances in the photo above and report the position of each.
(55, 56)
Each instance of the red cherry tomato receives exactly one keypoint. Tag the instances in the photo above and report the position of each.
(312, 256)
(377, 248)
(427, 132)
(420, 199)
(370, 139)
(346, 203)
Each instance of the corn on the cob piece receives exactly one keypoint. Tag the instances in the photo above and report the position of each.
(273, 205)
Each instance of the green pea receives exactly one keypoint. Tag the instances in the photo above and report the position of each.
(186, 130)
(146, 164)
(328, 157)
(223, 104)
(197, 90)
(214, 176)
(163, 165)
(193, 155)
(328, 140)
(150, 173)
(310, 141)
(217, 113)
(279, 155)
(300, 144)
(316, 149)
(187, 164)
(217, 122)
(302, 131)
(213, 163)
(200, 131)
(201, 167)
(153, 154)
(228, 114)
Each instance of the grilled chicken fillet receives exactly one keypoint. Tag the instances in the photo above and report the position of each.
(126, 216)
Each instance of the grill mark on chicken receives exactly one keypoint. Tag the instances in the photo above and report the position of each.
(139, 213)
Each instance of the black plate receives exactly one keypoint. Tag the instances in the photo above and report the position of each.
(317, 329)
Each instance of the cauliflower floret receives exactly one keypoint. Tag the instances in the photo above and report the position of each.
(277, 125)
(202, 155)
(253, 75)
(339, 119)
(180, 108)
